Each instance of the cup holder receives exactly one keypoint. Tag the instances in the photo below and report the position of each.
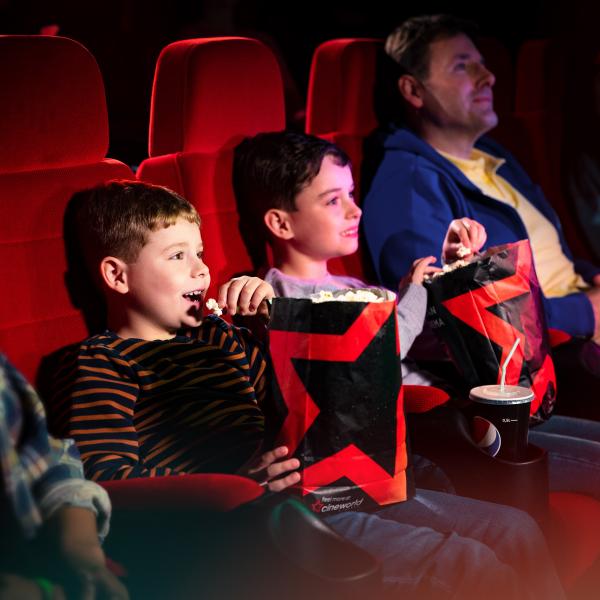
(443, 437)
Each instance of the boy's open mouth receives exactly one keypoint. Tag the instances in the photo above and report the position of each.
(194, 296)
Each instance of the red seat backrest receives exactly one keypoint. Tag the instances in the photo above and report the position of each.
(54, 139)
(208, 95)
(341, 108)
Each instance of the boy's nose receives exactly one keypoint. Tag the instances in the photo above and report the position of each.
(200, 269)
(354, 211)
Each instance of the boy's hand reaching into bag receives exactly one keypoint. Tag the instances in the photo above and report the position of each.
(463, 234)
(420, 268)
(271, 470)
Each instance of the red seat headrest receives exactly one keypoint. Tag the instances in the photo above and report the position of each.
(341, 87)
(53, 84)
(209, 93)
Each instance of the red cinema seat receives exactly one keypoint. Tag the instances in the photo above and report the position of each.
(54, 140)
(341, 108)
(208, 95)
(340, 104)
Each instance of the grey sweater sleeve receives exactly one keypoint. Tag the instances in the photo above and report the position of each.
(412, 304)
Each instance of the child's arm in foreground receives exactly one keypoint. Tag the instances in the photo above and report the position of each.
(461, 233)
(77, 547)
(49, 496)
(248, 296)
(79, 564)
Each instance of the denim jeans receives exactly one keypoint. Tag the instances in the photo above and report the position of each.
(442, 546)
(573, 453)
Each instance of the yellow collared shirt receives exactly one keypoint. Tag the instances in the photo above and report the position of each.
(556, 273)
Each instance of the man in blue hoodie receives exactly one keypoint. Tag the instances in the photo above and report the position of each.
(440, 166)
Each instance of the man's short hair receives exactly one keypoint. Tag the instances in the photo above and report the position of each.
(115, 218)
(408, 45)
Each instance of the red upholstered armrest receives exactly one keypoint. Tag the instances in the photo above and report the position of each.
(201, 491)
(422, 398)
(558, 337)
(574, 534)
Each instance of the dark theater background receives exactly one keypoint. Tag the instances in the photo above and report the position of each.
(126, 37)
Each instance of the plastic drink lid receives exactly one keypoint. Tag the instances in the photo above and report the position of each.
(501, 394)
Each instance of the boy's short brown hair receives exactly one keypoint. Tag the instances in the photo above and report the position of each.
(114, 219)
(269, 171)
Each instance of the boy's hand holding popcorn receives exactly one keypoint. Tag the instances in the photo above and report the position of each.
(464, 238)
(246, 296)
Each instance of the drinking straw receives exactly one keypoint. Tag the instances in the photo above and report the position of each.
(512, 351)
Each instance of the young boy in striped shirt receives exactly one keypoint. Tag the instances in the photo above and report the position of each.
(163, 391)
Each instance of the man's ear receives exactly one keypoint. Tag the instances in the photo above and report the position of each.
(278, 223)
(411, 90)
(114, 274)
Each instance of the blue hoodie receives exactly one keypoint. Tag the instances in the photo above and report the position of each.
(415, 194)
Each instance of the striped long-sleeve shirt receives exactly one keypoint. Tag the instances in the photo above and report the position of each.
(140, 408)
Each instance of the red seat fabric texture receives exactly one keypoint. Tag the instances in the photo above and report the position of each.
(342, 78)
(340, 103)
(208, 95)
(54, 139)
(340, 108)
(574, 535)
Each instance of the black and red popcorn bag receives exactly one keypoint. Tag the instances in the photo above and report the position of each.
(338, 402)
(481, 309)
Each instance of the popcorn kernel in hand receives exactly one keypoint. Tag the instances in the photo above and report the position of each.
(463, 251)
(213, 305)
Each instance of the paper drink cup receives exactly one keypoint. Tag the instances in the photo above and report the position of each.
(500, 424)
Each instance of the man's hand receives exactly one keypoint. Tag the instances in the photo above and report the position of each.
(246, 296)
(82, 557)
(463, 232)
(270, 470)
(420, 268)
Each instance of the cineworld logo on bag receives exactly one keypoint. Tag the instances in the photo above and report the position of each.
(326, 504)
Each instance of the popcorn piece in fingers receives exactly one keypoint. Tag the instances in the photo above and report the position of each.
(213, 305)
